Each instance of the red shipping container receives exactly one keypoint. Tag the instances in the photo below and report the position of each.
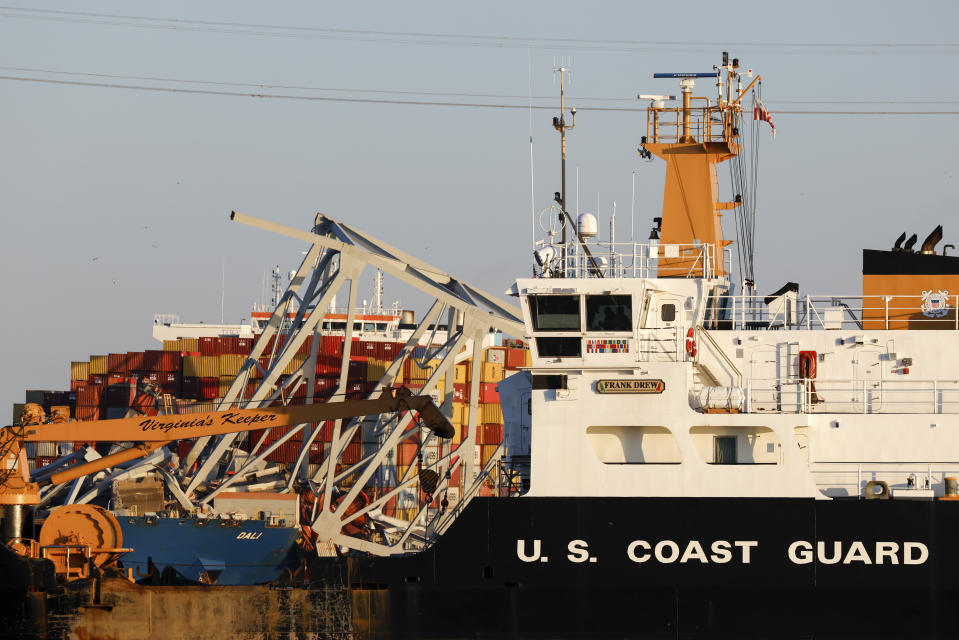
(492, 433)
(391, 350)
(461, 392)
(208, 346)
(357, 371)
(190, 387)
(150, 361)
(332, 346)
(244, 345)
(209, 388)
(135, 361)
(406, 453)
(183, 447)
(488, 393)
(515, 358)
(352, 453)
(117, 363)
(287, 452)
(76, 384)
(97, 379)
(317, 452)
(170, 361)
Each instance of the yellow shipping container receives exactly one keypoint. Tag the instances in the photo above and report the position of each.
(225, 382)
(79, 370)
(487, 452)
(492, 372)
(528, 358)
(201, 366)
(461, 373)
(230, 364)
(375, 369)
(172, 345)
(190, 344)
(295, 363)
(491, 413)
(98, 365)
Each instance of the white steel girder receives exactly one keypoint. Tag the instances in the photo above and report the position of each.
(339, 253)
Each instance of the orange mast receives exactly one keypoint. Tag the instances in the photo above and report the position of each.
(693, 139)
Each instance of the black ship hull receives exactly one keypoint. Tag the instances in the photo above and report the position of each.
(669, 568)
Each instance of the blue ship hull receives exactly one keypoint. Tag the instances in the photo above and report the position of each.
(229, 552)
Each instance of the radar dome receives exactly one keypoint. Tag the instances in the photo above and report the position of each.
(587, 225)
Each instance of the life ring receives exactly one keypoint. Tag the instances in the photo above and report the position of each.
(690, 343)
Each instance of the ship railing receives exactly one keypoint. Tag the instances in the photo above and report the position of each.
(706, 123)
(935, 310)
(166, 319)
(849, 396)
(643, 260)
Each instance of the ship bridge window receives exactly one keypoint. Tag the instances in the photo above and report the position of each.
(554, 313)
(609, 313)
(559, 347)
(381, 326)
(633, 445)
(369, 326)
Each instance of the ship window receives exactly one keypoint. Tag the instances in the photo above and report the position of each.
(559, 347)
(381, 326)
(609, 313)
(554, 313)
(357, 326)
(668, 312)
(369, 326)
(326, 326)
(338, 326)
(633, 445)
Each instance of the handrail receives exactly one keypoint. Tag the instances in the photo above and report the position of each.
(701, 331)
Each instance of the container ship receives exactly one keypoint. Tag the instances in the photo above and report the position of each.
(681, 456)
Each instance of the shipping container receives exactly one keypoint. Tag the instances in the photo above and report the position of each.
(209, 388)
(244, 346)
(230, 364)
(191, 387)
(79, 370)
(287, 452)
(332, 346)
(492, 433)
(496, 354)
(352, 453)
(190, 345)
(488, 450)
(490, 413)
(492, 372)
(99, 365)
(207, 346)
(134, 361)
(119, 395)
(515, 358)
(488, 393)
(117, 363)
(172, 345)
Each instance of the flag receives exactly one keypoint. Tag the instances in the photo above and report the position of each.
(760, 112)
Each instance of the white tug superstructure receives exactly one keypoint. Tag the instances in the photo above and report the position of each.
(654, 375)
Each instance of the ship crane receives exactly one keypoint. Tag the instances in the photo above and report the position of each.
(78, 537)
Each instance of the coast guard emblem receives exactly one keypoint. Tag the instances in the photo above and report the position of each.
(935, 303)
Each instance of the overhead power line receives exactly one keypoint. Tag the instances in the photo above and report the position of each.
(437, 103)
(475, 40)
(265, 86)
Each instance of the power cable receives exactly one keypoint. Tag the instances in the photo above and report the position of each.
(458, 39)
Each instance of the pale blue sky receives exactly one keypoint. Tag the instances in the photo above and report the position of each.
(115, 202)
